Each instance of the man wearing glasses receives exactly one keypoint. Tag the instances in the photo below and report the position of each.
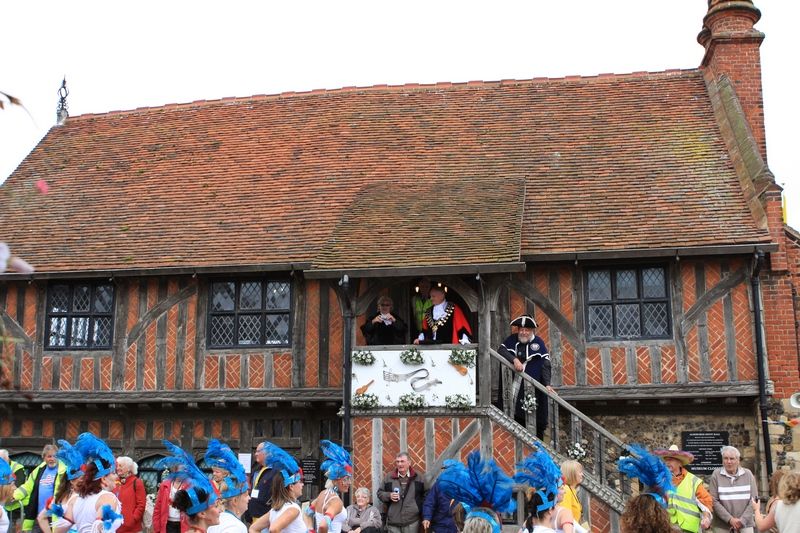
(260, 487)
(384, 328)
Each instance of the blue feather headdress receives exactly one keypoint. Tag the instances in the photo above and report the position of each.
(95, 450)
(479, 483)
(6, 475)
(339, 464)
(539, 472)
(650, 470)
(275, 457)
(70, 456)
(220, 455)
(184, 469)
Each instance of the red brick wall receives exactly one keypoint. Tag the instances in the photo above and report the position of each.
(504, 447)
(77, 368)
(569, 284)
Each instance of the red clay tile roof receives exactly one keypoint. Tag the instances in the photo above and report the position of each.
(609, 163)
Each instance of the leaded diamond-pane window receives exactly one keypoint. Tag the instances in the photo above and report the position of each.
(627, 303)
(79, 315)
(249, 313)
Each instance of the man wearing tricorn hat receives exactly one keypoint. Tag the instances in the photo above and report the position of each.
(690, 505)
(528, 354)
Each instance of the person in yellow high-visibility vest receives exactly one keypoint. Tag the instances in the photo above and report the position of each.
(14, 508)
(690, 504)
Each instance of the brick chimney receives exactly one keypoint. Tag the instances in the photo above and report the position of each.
(732, 50)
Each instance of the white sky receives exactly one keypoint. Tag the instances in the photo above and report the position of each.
(122, 54)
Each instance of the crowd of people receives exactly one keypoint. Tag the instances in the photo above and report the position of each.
(84, 488)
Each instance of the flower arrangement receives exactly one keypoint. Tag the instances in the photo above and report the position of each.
(457, 401)
(412, 356)
(363, 357)
(459, 357)
(529, 403)
(411, 401)
(576, 451)
(365, 401)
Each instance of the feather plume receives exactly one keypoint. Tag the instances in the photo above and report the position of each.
(70, 456)
(275, 457)
(6, 475)
(479, 483)
(539, 472)
(109, 516)
(56, 510)
(648, 468)
(220, 455)
(183, 468)
(339, 464)
(95, 450)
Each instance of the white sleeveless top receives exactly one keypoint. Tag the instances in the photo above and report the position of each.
(228, 523)
(84, 513)
(338, 520)
(295, 526)
(3, 520)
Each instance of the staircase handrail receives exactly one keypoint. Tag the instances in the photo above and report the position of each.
(563, 403)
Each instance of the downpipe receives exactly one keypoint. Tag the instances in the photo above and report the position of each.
(763, 406)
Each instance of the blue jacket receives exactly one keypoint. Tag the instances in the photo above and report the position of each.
(438, 508)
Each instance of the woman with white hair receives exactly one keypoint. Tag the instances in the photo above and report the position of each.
(131, 494)
(361, 516)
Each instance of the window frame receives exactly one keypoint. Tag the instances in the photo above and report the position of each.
(262, 312)
(615, 301)
(71, 314)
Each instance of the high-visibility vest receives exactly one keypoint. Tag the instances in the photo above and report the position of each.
(683, 508)
(12, 504)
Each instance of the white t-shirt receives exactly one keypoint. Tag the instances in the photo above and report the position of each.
(787, 517)
(295, 526)
(228, 523)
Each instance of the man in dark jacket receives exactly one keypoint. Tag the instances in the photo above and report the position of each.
(260, 488)
(528, 353)
(437, 512)
(403, 491)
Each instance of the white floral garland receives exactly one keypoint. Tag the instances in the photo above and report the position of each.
(457, 401)
(363, 357)
(411, 401)
(412, 356)
(365, 401)
(462, 357)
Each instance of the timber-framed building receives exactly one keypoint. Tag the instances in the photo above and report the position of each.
(189, 260)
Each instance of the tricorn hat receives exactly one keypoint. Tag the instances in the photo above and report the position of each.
(524, 321)
(674, 453)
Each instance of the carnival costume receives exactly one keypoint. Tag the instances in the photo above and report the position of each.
(650, 470)
(338, 465)
(197, 486)
(540, 473)
(220, 455)
(478, 485)
(275, 457)
(81, 511)
(70, 456)
(6, 478)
